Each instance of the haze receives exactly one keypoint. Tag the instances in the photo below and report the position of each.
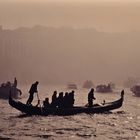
(104, 15)
(74, 40)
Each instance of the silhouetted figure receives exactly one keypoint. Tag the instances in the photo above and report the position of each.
(71, 99)
(54, 99)
(32, 90)
(66, 99)
(8, 84)
(46, 103)
(91, 97)
(15, 82)
(60, 100)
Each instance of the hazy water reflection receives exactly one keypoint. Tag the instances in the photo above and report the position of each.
(121, 124)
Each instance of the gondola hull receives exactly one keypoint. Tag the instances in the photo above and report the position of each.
(34, 110)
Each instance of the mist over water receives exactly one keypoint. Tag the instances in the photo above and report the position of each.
(57, 43)
(61, 55)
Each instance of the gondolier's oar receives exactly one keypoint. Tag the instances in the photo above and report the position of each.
(37, 96)
(38, 100)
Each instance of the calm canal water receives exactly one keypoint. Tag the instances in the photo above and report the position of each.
(121, 124)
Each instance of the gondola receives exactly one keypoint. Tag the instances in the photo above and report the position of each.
(35, 110)
(12, 87)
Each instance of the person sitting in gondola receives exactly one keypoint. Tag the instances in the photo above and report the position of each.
(46, 103)
(60, 100)
(91, 97)
(54, 99)
(66, 100)
(71, 99)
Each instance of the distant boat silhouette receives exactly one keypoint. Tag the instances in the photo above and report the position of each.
(136, 90)
(71, 86)
(34, 110)
(104, 88)
(7, 87)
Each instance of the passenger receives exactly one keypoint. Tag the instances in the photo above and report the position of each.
(71, 98)
(60, 100)
(32, 90)
(46, 103)
(8, 84)
(66, 99)
(91, 97)
(54, 99)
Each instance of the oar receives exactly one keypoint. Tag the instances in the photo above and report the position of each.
(38, 100)
(37, 96)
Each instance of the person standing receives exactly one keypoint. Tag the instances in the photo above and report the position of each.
(71, 98)
(91, 97)
(15, 82)
(32, 90)
(60, 100)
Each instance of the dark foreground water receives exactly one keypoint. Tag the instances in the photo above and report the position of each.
(121, 124)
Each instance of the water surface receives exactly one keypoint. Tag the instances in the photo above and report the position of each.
(121, 124)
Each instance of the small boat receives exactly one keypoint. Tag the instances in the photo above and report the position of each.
(104, 88)
(35, 110)
(72, 86)
(88, 84)
(12, 87)
(136, 90)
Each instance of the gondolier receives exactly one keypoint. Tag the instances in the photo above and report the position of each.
(32, 90)
(91, 97)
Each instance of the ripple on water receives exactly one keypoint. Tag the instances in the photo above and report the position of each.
(45, 136)
(5, 138)
(1, 130)
(118, 125)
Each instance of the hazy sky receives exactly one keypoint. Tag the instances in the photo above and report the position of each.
(73, 0)
(105, 15)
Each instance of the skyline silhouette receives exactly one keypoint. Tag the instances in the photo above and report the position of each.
(60, 55)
